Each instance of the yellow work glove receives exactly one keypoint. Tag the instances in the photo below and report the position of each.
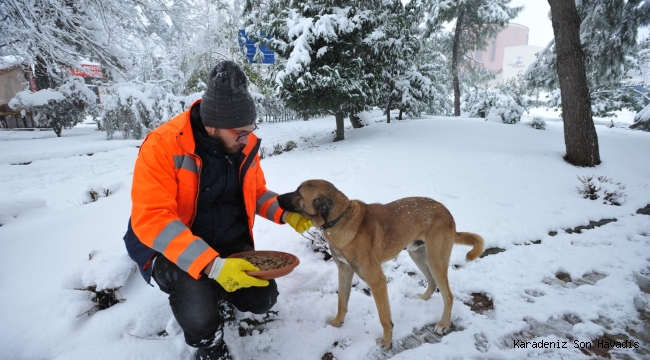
(231, 274)
(297, 221)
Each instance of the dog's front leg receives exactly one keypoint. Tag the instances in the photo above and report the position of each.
(345, 285)
(379, 289)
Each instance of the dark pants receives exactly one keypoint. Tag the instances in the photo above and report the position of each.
(198, 305)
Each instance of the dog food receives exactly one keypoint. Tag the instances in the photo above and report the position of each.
(266, 262)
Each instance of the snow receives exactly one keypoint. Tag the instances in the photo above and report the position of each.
(38, 98)
(507, 183)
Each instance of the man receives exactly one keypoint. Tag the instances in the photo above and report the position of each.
(197, 185)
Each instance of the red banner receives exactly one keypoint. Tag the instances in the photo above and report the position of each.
(88, 71)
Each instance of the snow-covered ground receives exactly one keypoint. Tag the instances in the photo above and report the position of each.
(507, 183)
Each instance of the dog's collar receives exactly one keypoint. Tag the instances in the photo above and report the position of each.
(329, 224)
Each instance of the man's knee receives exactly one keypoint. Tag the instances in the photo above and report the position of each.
(202, 329)
(265, 304)
(257, 300)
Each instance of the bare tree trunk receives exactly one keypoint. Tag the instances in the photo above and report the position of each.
(454, 61)
(580, 136)
(400, 114)
(339, 126)
(56, 126)
(356, 122)
(390, 103)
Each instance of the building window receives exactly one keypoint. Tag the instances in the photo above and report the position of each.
(494, 49)
(479, 56)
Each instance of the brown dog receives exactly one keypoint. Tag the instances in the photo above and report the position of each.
(363, 236)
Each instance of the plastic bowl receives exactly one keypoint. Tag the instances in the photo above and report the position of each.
(271, 274)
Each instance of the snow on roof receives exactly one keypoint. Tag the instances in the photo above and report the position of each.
(7, 62)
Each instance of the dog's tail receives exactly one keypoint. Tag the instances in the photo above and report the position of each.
(471, 239)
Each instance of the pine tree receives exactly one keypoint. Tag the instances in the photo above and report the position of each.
(608, 33)
(580, 136)
(476, 22)
(405, 66)
(329, 64)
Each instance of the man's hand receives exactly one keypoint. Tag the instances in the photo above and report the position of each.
(231, 274)
(297, 221)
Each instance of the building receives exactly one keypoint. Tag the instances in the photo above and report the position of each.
(492, 56)
(516, 60)
(14, 77)
(508, 53)
(94, 77)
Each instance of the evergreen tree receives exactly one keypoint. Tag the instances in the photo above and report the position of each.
(433, 64)
(476, 22)
(396, 45)
(407, 77)
(608, 34)
(580, 136)
(329, 65)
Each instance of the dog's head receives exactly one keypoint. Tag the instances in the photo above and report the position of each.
(317, 200)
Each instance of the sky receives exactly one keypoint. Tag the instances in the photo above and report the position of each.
(535, 17)
(507, 183)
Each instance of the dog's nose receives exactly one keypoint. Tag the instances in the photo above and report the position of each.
(284, 201)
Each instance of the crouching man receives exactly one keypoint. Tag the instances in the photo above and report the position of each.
(197, 186)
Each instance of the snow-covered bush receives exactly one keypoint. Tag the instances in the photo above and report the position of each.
(601, 188)
(290, 145)
(318, 242)
(277, 149)
(537, 123)
(136, 108)
(642, 119)
(510, 114)
(263, 152)
(478, 102)
(102, 276)
(62, 107)
(99, 189)
(490, 102)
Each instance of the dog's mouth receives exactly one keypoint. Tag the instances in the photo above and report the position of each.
(285, 202)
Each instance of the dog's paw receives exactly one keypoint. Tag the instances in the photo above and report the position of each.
(441, 328)
(385, 345)
(427, 294)
(336, 323)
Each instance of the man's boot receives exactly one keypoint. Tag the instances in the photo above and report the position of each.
(216, 352)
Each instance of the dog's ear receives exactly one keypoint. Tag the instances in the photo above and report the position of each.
(323, 206)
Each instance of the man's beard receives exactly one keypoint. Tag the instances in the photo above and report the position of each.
(237, 147)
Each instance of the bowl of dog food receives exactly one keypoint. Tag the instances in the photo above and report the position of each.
(272, 264)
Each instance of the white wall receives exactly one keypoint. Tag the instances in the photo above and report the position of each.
(516, 59)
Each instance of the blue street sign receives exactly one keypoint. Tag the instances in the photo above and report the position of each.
(268, 56)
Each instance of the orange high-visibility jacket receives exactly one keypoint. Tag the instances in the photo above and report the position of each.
(165, 193)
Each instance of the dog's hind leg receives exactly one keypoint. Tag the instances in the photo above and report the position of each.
(346, 273)
(438, 260)
(417, 251)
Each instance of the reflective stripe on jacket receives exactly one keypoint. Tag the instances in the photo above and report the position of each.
(165, 189)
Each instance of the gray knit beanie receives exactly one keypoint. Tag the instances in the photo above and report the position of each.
(226, 103)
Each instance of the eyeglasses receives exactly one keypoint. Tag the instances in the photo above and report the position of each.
(243, 136)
